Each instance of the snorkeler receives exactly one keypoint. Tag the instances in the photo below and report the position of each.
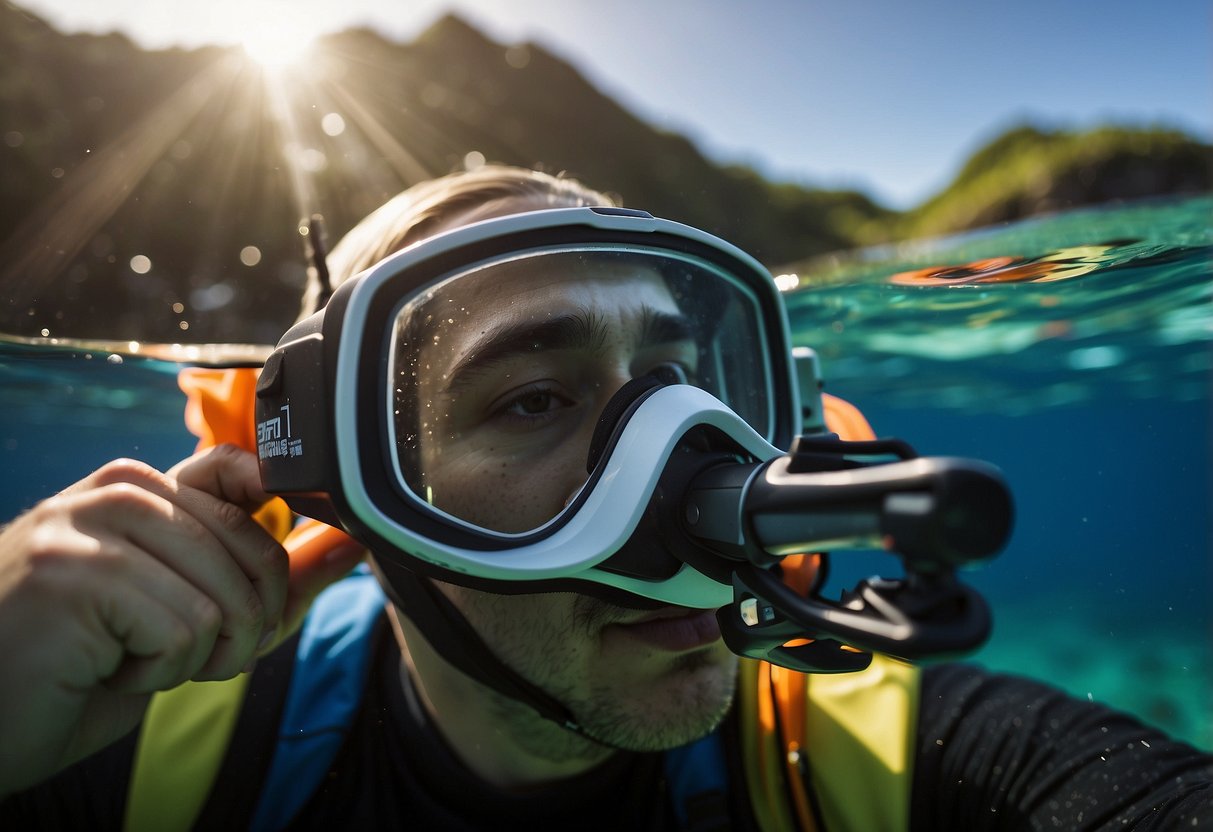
(501, 407)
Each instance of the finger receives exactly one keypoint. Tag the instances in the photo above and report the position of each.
(165, 641)
(104, 602)
(231, 475)
(172, 557)
(225, 473)
(189, 548)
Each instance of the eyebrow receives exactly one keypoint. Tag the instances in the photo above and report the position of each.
(664, 328)
(582, 331)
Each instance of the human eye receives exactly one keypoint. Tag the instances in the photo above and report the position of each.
(532, 405)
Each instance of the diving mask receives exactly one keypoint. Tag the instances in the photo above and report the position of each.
(506, 404)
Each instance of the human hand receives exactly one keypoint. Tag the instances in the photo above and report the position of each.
(129, 582)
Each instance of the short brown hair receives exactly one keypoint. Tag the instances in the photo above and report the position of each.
(440, 204)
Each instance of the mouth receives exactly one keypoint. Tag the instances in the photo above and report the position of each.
(674, 629)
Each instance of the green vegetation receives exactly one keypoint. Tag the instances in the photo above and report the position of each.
(186, 158)
(1029, 171)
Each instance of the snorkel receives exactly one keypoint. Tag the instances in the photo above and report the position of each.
(736, 517)
(687, 497)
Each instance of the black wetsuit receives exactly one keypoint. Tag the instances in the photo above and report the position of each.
(994, 753)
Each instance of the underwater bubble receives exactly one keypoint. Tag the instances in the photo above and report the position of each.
(332, 124)
(141, 264)
(250, 255)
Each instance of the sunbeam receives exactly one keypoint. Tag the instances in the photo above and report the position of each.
(261, 150)
(55, 233)
(300, 159)
(405, 163)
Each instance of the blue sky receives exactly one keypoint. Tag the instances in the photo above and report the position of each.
(885, 96)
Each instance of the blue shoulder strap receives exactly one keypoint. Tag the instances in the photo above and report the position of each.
(697, 776)
(326, 687)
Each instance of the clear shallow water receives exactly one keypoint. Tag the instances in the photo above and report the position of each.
(66, 411)
(1090, 391)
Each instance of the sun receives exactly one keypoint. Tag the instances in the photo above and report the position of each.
(276, 46)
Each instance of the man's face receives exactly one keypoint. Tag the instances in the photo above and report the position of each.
(515, 368)
(512, 375)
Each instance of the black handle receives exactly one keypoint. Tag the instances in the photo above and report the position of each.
(936, 512)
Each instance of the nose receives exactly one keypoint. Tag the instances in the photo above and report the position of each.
(623, 395)
(612, 397)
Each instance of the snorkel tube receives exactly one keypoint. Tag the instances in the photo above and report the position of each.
(737, 518)
(936, 514)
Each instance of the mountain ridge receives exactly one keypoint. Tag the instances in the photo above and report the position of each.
(187, 159)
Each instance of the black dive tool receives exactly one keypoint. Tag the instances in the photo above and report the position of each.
(736, 518)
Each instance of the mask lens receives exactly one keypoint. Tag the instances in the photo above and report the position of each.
(499, 373)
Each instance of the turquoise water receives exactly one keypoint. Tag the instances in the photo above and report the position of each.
(1091, 390)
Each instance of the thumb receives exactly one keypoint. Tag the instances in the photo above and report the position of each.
(224, 471)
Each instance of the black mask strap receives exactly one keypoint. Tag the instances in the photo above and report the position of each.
(453, 638)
